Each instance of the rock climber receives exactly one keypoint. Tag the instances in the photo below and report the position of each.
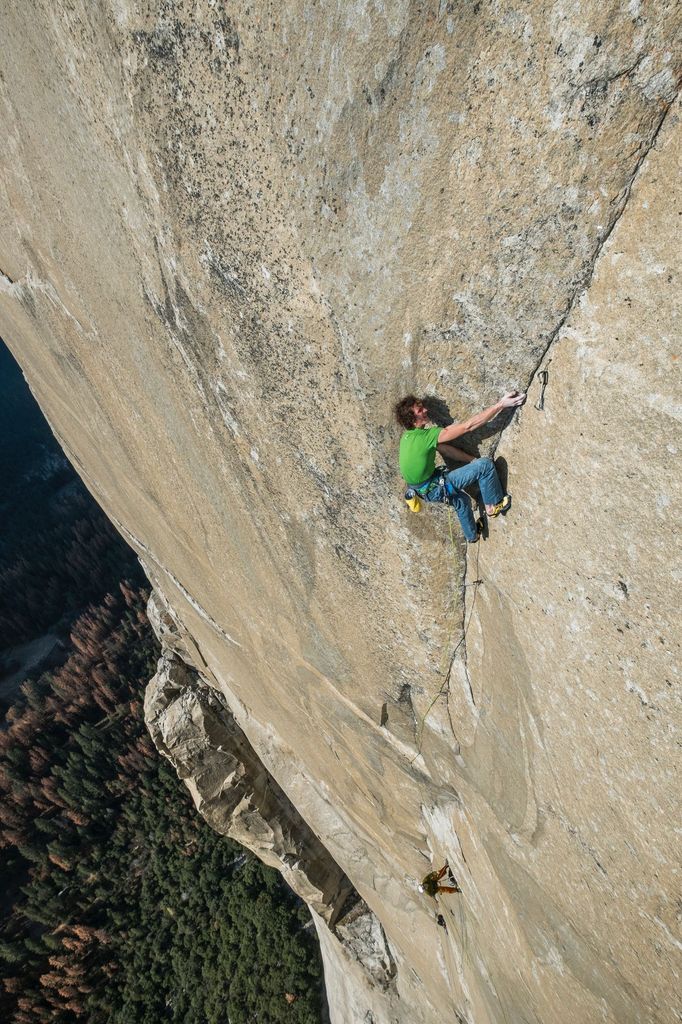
(431, 882)
(418, 446)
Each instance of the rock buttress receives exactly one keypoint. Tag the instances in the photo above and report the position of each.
(192, 726)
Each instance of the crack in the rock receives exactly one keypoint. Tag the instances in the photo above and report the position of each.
(461, 646)
(581, 287)
(594, 83)
(586, 279)
(30, 285)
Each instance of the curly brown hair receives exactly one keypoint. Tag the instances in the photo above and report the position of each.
(404, 411)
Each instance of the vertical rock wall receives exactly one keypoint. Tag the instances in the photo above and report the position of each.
(574, 643)
(229, 238)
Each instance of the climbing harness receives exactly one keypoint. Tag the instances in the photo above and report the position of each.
(433, 489)
(543, 377)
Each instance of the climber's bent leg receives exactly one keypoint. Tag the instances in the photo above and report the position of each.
(461, 503)
(483, 473)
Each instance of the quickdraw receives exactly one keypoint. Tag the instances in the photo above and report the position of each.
(543, 377)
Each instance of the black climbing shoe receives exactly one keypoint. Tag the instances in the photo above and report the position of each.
(479, 532)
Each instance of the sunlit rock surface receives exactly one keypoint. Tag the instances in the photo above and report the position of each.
(229, 239)
(231, 789)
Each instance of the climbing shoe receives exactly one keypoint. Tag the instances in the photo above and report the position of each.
(479, 532)
(501, 507)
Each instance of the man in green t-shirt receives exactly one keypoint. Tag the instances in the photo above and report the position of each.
(418, 447)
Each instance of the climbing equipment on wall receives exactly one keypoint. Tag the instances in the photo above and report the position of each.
(543, 377)
(413, 500)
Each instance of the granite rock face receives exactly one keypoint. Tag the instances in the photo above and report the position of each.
(191, 724)
(229, 239)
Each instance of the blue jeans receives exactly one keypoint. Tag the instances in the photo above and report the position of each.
(481, 472)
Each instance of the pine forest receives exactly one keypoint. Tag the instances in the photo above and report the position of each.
(120, 905)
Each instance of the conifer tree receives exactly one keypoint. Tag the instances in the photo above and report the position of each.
(128, 909)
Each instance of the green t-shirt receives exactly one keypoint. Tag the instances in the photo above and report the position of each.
(418, 454)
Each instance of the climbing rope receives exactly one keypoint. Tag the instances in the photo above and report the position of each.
(446, 682)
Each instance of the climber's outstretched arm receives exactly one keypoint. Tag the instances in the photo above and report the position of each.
(508, 401)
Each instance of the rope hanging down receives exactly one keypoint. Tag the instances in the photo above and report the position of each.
(446, 682)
